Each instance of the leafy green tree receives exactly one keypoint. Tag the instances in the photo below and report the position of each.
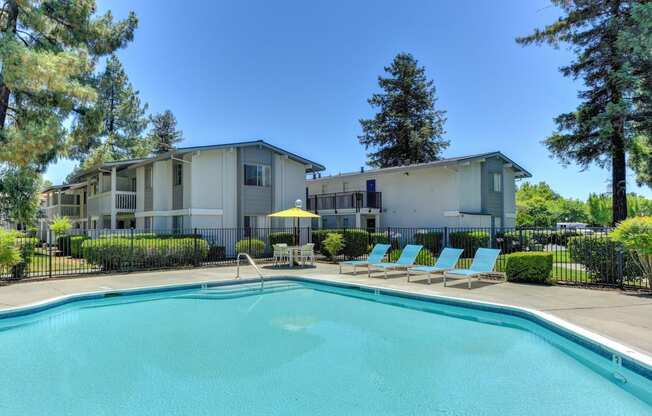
(602, 127)
(407, 128)
(48, 50)
(637, 40)
(20, 188)
(164, 135)
(599, 207)
(123, 119)
(537, 205)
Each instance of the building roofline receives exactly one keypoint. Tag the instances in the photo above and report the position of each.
(314, 166)
(442, 162)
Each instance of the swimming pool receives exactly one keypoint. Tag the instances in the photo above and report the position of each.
(301, 348)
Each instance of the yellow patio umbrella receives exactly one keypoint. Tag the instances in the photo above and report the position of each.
(296, 212)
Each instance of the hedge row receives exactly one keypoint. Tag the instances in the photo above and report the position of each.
(599, 256)
(122, 253)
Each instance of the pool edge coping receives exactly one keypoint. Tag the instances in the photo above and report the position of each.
(642, 362)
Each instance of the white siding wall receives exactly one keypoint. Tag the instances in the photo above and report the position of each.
(470, 187)
(289, 185)
(207, 184)
(229, 182)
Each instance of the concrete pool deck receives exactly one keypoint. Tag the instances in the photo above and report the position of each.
(624, 318)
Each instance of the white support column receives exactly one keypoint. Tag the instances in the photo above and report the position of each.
(114, 211)
(59, 203)
(358, 220)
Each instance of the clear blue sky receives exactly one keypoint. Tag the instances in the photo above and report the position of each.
(298, 74)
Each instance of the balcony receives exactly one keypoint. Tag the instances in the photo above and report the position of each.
(100, 204)
(353, 201)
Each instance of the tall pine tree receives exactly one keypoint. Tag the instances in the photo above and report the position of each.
(164, 134)
(123, 119)
(637, 41)
(602, 127)
(48, 50)
(407, 128)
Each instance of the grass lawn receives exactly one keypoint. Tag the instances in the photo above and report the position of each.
(570, 275)
(39, 264)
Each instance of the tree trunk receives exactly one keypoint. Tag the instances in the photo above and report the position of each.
(618, 178)
(12, 19)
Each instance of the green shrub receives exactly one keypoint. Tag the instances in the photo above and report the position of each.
(60, 226)
(558, 237)
(10, 257)
(378, 238)
(512, 241)
(425, 257)
(320, 235)
(356, 243)
(431, 240)
(63, 244)
(253, 247)
(635, 234)
(138, 236)
(470, 241)
(528, 267)
(332, 245)
(126, 253)
(75, 245)
(281, 238)
(600, 257)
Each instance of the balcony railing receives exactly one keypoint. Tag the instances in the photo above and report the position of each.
(356, 200)
(125, 201)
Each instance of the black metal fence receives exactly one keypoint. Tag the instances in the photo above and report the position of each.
(580, 257)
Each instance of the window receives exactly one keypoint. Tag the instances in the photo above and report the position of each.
(257, 175)
(177, 223)
(497, 182)
(178, 174)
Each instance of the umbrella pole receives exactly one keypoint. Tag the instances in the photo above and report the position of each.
(296, 233)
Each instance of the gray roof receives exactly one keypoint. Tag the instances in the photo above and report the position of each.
(123, 164)
(313, 166)
(520, 171)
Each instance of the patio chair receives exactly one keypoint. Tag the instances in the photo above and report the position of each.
(376, 256)
(281, 253)
(307, 252)
(404, 262)
(446, 261)
(484, 262)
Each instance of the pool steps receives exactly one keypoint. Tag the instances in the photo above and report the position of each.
(246, 289)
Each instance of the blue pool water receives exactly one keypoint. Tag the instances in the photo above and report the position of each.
(299, 349)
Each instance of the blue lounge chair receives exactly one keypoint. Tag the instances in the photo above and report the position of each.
(376, 256)
(407, 259)
(446, 261)
(484, 262)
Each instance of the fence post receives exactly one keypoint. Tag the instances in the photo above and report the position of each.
(445, 236)
(50, 253)
(520, 239)
(195, 255)
(619, 267)
(131, 249)
(492, 236)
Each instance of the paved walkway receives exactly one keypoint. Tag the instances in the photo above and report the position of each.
(624, 318)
